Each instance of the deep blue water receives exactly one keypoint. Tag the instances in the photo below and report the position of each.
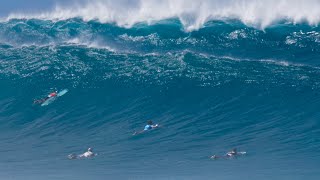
(225, 85)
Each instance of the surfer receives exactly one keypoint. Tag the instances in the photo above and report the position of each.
(87, 154)
(232, 153)
(148, 127)
(39, 101)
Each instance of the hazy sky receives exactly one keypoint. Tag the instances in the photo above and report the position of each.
(29, 6)
(10, 6)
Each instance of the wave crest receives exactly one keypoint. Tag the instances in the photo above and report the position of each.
(192, 14)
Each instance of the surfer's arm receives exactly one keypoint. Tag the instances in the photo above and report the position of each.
(216, 157)
(139, 132)
(39, 101)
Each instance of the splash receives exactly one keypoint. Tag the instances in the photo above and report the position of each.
(192, 14)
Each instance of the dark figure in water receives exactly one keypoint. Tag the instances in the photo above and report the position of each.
(39, 101)
(230, 154)
(148, 127)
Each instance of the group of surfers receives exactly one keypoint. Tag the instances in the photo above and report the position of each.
(150, 126)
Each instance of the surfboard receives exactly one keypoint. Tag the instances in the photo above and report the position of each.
(63, 92)
(238, 154)
(229, 156)
(50, 100)
(75, 156)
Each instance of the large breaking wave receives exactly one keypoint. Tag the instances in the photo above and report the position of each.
(215, 75)
(192, 14)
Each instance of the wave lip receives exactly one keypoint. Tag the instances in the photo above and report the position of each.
(192, 14)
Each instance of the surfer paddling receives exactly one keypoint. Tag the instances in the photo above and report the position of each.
(148, 127)
(39, 101)
(87, 154)
(230, 154)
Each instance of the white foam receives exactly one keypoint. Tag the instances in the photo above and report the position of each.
(90, 44)
(237, 34)
(192, 14)
(152, 38)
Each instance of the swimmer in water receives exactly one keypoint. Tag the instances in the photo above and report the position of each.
(53, 94)
(230, 154)
(87, 154)
(148, 127)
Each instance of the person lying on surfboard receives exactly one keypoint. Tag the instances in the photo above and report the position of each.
(39, 101)
(232, 153)
(148, 127)
(87, 154)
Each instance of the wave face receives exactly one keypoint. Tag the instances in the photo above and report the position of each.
(225, 85)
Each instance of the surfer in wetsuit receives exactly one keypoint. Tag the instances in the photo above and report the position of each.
(87, 154)
(148, 127)
(232, 153)
(53, 94)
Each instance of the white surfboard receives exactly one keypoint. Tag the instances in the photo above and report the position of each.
(63, 92)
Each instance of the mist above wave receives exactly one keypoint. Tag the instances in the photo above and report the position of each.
(192, 14)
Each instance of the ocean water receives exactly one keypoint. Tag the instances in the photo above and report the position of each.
(214, 81)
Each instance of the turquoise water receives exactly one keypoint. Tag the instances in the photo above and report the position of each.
(225, 85)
